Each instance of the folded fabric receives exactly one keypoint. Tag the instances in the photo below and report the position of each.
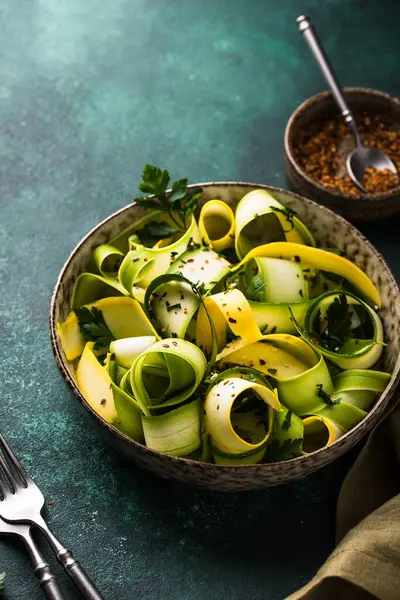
(366, 563)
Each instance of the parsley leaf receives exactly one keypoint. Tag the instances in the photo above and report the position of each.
(93, 327)
(287, 420)
(179, 203)
(151, 233)
(325, 396)
(199, 288)
(289, 214)
(338, 320)
(285, 451)
(255, 289)
(154, 181)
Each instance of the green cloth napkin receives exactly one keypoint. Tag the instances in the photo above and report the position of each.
(366, 562)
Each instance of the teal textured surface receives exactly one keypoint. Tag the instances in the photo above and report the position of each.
(90, 92)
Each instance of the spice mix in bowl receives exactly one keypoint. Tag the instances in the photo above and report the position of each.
(317, 144)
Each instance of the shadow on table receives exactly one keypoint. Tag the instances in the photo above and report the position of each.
(293, 523)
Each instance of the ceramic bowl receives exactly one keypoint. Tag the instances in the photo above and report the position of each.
(330, 230)
(306, 119)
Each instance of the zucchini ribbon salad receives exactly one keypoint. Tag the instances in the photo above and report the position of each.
(224, 336)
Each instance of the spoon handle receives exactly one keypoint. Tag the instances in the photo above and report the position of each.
(306, 28)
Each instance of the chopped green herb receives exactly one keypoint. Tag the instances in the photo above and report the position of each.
(199, 288)
(301, 293)
(192, 245)
(287, 420)
(325, 396)
(289, 214)
(338, 319)
(255, 289)
(285, 451)
(174, 307)
(272, 371)
(93, 327)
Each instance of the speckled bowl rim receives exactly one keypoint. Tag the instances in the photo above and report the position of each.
(302, 109)
(272, 467)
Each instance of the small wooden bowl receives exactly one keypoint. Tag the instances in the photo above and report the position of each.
(330, 231)
(306, 119)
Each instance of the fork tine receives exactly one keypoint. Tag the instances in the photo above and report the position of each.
(14, 465)
(4, 484)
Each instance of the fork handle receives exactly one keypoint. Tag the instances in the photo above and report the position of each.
(43, 572)
(68, 562)
(48, 583)
(78, 576)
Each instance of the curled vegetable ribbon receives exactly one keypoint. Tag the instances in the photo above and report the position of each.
(100, 391)
(319, 432)
(228, 310)
(128, 274)
(229, 428)
(173, 302)
(295, 366)
(354, 392)
(91, 286)
(123, 316)
(287, 438)
(176, 432)
(141, 265)
(260, 219)
(353, 353)
(167, 374)
(278, 285)
(217, 225)
(318, 259)
(150, 398)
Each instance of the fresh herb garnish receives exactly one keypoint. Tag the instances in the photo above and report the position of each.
(272, 371)
(325, 396)
(289, 214)
(93, 327)
(338, 319)
(199, 288)
(287, 420)
(255, 289)
(277, 451)
(177, 306)
(178, 204)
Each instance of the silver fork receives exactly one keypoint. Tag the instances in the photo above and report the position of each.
(42, 570)
(22, 503)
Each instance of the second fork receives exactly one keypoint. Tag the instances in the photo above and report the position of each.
(22, 503)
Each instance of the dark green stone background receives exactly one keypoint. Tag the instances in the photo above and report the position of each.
(90, 91)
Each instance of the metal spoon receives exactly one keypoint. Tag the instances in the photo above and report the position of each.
(362, 157)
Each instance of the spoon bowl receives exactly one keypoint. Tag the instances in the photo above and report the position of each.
(362, 158)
